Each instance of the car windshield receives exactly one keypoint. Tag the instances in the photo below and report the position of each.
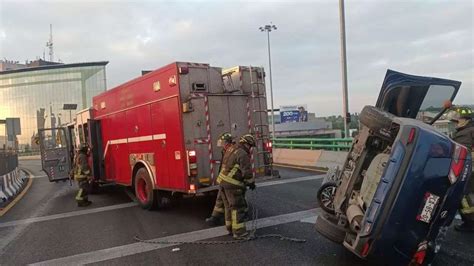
(433, 102)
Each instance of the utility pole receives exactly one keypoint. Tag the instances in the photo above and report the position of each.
(345, 108)
(268, 29)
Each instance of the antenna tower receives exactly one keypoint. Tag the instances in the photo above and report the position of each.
(49, 44)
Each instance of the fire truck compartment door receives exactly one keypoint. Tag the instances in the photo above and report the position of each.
(239, 118)
(95, 138)
(55, 153)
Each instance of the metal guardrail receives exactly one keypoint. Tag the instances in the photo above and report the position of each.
(313, 144)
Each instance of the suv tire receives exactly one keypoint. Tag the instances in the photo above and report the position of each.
(329, 229)
(375, 118)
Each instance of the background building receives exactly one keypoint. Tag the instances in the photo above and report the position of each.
(36, 93)
(294, 121)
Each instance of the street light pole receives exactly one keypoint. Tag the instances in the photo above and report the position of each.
(342, 25)
(268, 29)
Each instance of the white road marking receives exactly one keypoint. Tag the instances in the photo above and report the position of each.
(10, 235)
(311, 220)
(67, 214)
(137, 248)
(132, 204)
(290, 180)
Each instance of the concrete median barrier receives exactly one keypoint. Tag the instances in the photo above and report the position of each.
(11, 184)
(305, 158)
(318, 159)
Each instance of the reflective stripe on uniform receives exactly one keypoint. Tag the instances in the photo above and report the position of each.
(79, 195)
(465, 208)
(228, 223)
(235, 224)
(229, 178)
(80, 177)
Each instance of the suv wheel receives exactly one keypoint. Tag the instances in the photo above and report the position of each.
(375, 118)
(326, 195)
(330, 229)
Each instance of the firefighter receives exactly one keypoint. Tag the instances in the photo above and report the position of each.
(82, 174)
(217, 217)
(236, 175)
(464, 135)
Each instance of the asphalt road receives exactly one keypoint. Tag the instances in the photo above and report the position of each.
(47, 227)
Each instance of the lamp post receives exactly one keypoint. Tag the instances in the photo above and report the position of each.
(345, 108)
(268, 28)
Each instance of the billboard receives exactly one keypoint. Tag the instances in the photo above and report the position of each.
(293, 113)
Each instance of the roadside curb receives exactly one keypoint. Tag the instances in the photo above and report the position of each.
(12, 188)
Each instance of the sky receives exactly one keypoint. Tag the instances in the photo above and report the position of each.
(429, 38)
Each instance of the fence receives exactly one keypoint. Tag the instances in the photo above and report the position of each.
(29, 153)
(8, 162)
(313, 144)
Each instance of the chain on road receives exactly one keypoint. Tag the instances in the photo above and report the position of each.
(252, 234)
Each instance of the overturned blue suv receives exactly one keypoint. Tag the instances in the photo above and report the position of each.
(403, 180)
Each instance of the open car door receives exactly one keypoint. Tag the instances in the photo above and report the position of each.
(55, 153)
(415, 96)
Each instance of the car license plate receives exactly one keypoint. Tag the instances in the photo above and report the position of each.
(430, 203)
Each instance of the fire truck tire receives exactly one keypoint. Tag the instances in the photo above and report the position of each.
(374, 118)
(146, 196)
(329, 229)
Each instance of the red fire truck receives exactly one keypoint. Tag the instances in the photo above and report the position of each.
(158, 133)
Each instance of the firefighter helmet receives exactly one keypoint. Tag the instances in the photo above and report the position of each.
(460, 113)
(224, 138)
(248, 139)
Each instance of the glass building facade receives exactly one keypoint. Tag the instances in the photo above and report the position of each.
(37, 96)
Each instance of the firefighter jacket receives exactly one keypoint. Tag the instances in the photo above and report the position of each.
(227, 146)
(465, 135)
(236, 171)
(81, 167)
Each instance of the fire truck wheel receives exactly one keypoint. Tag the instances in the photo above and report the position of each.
(144, 189)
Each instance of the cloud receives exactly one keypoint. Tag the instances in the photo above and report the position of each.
(433, 39)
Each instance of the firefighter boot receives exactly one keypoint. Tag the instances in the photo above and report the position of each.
(464, 227)
(242, 236)
(467, 214)
(214, 221)
(84, 203)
